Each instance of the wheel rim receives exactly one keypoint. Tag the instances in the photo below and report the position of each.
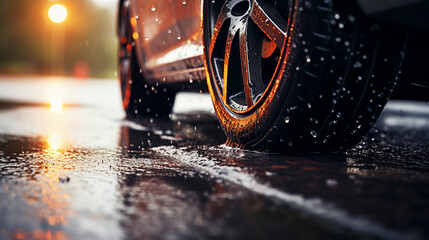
(245, 41)
(125, 54)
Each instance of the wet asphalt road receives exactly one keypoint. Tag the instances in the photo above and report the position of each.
(83, 172)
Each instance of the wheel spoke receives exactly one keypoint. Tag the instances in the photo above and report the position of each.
(269, 20)
(230, 37)
(221, 18)
(250, 55)
(244, 56)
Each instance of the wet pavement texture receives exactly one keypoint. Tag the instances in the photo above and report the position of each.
(71, 167)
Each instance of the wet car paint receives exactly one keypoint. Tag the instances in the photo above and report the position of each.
(168, 38)
(86, 172)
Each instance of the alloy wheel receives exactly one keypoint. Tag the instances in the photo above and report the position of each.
(245, 48)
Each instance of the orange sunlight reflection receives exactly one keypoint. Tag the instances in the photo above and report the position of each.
(54, 209)
(54, 142)
(39, 234)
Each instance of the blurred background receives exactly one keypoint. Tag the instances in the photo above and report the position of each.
(79, 42)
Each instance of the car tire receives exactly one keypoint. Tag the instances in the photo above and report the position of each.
(300, 76)
(139, 98)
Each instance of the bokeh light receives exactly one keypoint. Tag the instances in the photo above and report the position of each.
(57, 13)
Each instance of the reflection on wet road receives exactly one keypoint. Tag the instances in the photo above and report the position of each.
(72, 168)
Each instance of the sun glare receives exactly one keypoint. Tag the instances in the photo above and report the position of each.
(56, 105)
(57, 13)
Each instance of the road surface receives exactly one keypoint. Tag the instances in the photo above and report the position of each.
(71, 167)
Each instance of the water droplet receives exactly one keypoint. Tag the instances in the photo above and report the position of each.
(287, 119)
(153, 9)
(357, 65)
(351, 18)
(179, 37)
(309, 105)
(313, 134)
(64, 179)
(359, 77)
(331, 182)
(184, 2)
